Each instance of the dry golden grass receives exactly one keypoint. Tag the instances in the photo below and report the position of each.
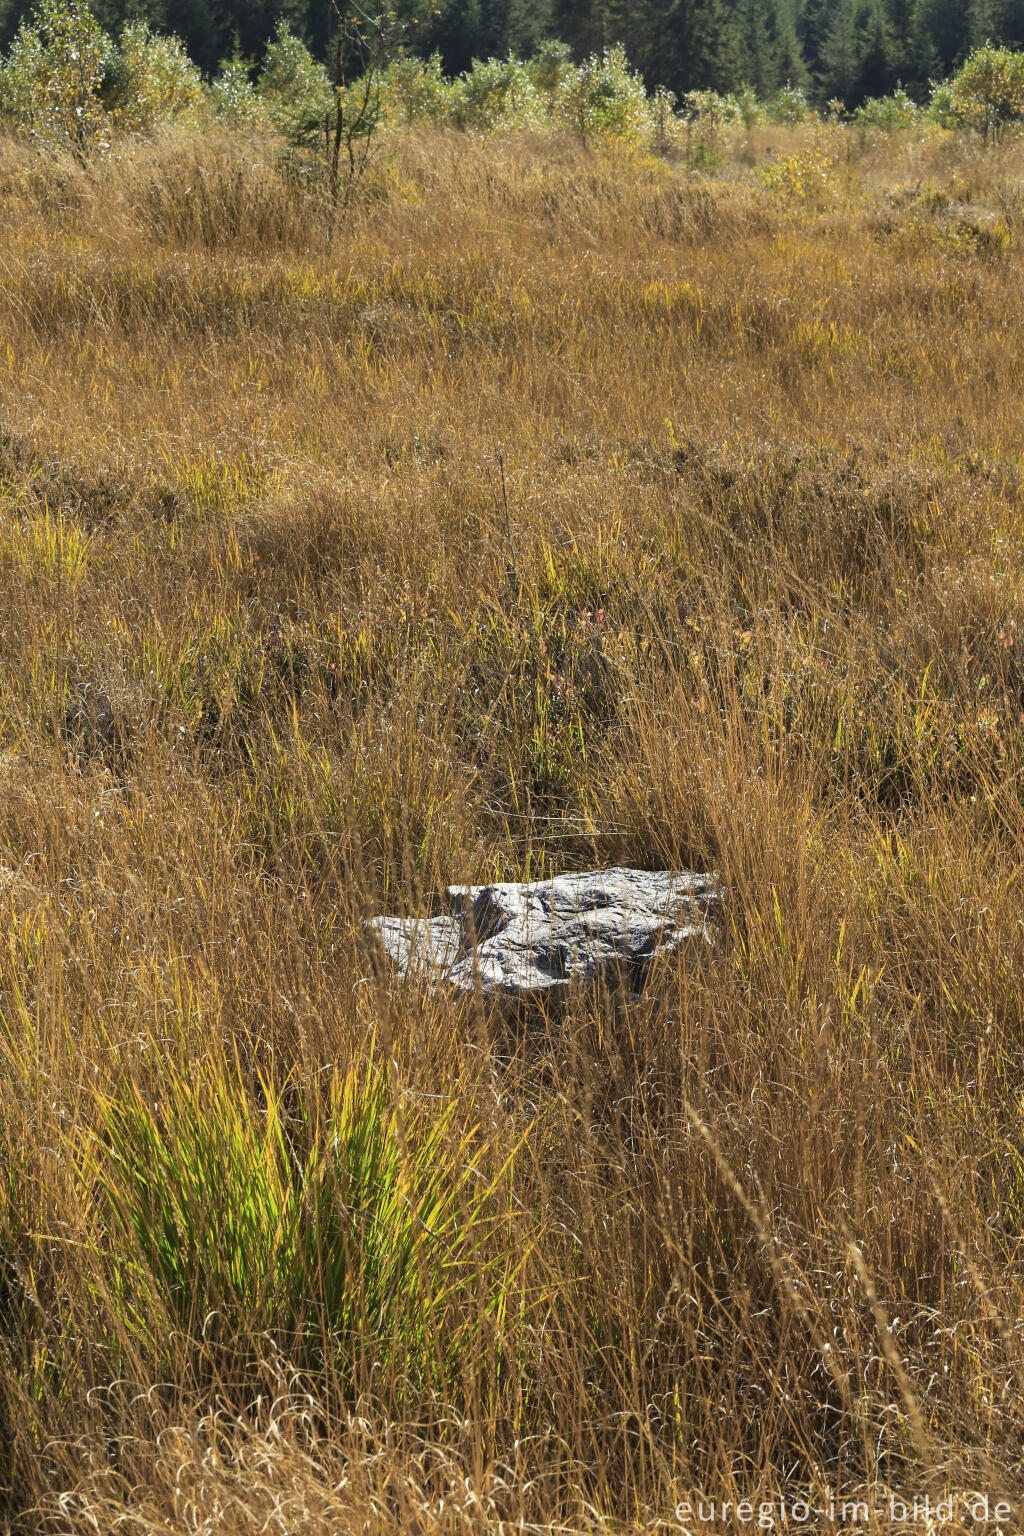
(274, 655)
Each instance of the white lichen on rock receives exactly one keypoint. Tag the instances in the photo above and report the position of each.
(543, 936)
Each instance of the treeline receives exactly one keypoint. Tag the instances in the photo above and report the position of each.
(843, 49)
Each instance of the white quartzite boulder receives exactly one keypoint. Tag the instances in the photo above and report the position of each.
(540, 937)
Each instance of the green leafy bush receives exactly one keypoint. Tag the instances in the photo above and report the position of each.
(888, 112)
(496, 93)
(665, 125)
(65, 83)
(988, 91)
(789, 106)
(234, 97)
(744, 104)
(295, 89)
(603, 98)
(706, 115)
(709, 110)
(152, 80)
(415, 90)
(53, 75)
(941, 108)
(807, 176)
(549, 66)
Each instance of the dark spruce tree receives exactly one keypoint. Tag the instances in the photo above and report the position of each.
(940, 36)
(899, 17)
(691, 47)
(876, 67)
(526, 24)
(839, 62)
(678, 44)
(629, 22)
(456, 30)
(1004, 22)
(790, 64)
(812, 26)
(580, 23)
(753, 35)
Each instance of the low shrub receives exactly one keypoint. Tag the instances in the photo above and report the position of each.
(888, 112)
(234, 97)
(152, 80)
(603, 98)
(496, 93)
(51, 80)
(415, 90)
(987, 93)
(294, 88)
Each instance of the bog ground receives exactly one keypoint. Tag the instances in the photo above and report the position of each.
(560, 509)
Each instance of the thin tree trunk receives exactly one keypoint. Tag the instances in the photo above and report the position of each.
(341, 12)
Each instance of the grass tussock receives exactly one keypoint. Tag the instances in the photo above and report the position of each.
(559, 508)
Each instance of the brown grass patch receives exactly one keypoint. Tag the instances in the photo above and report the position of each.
(270, 659)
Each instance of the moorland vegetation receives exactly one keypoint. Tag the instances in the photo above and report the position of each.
(558, 496)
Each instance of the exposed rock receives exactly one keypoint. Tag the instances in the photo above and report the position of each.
(541, 937)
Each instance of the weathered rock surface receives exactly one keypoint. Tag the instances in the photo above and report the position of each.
(539, 938)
